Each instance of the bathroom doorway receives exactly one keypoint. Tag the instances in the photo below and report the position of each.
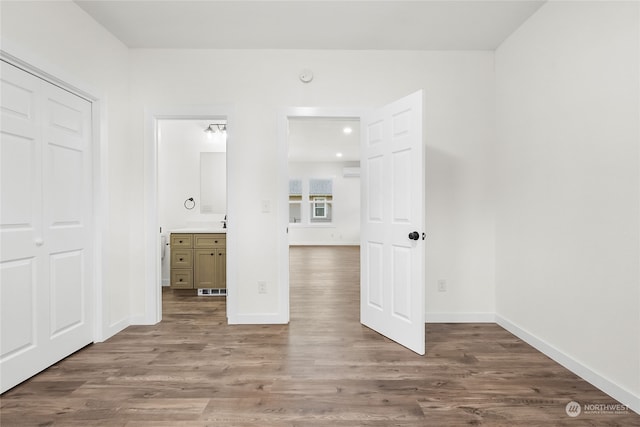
(154, 117)
(323, 209)
(192, 182)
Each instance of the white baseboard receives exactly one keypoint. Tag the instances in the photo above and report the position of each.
(325, 243)
(257, 319)
(479, 317)
(143, 320)
(109, 331)
(615, 391)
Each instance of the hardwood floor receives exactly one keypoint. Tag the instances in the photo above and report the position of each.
(323, 369)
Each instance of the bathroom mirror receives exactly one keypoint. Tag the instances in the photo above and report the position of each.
(213, 183)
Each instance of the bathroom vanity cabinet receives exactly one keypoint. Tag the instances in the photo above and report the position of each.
(198, 260)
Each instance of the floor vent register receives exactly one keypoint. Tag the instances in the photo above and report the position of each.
(210, 292)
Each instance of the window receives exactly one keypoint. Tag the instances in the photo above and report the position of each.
(317, 194)
(319, 207)
(295, 201)
(320, 198)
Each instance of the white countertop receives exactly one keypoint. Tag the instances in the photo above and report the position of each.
(199, 230)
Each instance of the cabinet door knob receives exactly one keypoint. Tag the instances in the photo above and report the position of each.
(180, 241)
(215, 241)
(180, 280)
(181, 259)
(220, 254)
(212, 254)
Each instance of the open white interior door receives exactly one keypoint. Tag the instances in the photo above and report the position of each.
(392, 251)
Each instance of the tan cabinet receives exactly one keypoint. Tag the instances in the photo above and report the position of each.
(198, 260)
(181, 261)
(210, 268)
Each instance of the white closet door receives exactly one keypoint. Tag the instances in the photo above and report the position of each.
(45, 225)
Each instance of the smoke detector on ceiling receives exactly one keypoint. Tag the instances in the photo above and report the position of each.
(306, 76)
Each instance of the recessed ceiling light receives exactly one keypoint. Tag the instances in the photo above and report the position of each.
(338, 154)
(347, 130)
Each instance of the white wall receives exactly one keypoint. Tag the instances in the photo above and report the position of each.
(179, 147)
(459, 127)
(568, 205)
(459, 87)
(60, 37)
(345, 226)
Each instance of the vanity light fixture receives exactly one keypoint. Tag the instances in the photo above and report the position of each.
(338, 154)
(216, 128)
(347, 130)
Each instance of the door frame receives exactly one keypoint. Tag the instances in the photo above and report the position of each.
(283, 185)
(153, 273)
(19, 58)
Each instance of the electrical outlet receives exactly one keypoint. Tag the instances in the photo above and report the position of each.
(442, 285)
(262, 287)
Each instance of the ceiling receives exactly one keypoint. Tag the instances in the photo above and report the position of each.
(319, 139)
(312, 24)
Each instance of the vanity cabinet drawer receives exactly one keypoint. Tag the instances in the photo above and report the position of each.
(181, 240)
(182, 278)
(204, 240)
(181, 258)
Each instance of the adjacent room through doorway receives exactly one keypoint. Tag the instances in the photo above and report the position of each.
(324, 210)
(192, 205)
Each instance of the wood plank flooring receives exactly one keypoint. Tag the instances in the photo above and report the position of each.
(323, 369)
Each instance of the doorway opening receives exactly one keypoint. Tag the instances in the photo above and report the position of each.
(192, 198)
(323, 209)
(204, 210)
(392, 216)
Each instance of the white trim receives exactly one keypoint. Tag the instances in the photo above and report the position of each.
(326, 243)
(258, 319)
(102, 331)
(622, 395)
(636, 406)
(33, 64)
(312, 225)
(283, 185)
(111, 330)
(153, 288)
(470, 317)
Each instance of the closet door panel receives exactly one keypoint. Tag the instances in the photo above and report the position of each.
(45, 225)
(20, 226)
(67, 181)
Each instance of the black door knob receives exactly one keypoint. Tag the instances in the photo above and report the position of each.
(414, 235)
